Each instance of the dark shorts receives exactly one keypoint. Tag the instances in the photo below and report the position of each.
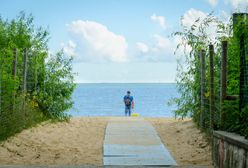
(128, 110)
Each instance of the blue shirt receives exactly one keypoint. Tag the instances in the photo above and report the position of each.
(128, 97)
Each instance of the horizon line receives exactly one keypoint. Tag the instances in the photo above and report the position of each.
(124, 82)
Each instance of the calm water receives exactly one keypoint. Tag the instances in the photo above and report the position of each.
(107, 99)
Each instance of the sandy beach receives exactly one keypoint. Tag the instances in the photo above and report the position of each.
(80, 142)
(185, 142)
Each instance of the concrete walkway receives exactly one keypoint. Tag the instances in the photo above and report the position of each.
(134, 141)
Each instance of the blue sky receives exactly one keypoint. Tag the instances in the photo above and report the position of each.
(118, 40)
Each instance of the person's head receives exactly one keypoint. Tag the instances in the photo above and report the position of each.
(128, 92)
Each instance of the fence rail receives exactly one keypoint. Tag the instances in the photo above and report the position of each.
(16, 113)
(213, 91)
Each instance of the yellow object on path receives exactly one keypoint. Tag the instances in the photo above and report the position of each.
(135, 114)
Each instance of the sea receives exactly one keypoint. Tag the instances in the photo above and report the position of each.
(106, 99)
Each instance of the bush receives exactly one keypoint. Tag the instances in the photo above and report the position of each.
(49, 85)
(55, 97)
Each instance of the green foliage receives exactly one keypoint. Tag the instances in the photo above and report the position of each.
(58, 87)
(49, 85)
(188, 76)
(235, 121)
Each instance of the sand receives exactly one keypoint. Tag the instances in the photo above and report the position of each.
(80, 142)
(187, 144)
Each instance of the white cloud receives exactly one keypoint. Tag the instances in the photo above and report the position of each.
(142, 47)
(96, 43)
(238, 4)
(69, 48)
(224, 16)
(191, 16)
(161, 49)
(159, 19)
(213, 2)
(162, 42)
(166, 46)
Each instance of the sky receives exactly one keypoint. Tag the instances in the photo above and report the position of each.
(126, 41)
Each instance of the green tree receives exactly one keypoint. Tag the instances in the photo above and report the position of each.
(188, 77)
(55, 97)
(49, 81)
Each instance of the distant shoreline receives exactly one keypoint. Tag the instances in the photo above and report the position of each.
(145, 117)
(126, 83)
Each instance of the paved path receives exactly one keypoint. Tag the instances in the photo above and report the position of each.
(134, 141)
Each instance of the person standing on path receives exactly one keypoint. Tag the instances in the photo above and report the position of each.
(129, 103)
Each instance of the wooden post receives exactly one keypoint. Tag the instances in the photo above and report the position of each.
(14, 76)
(211, 72)
(35, 74)
(14, 62)
(239, 28)
(238, 19)
(203, 82)
(223, 81)
(243, 75)
(24, 82)
(0, 84)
